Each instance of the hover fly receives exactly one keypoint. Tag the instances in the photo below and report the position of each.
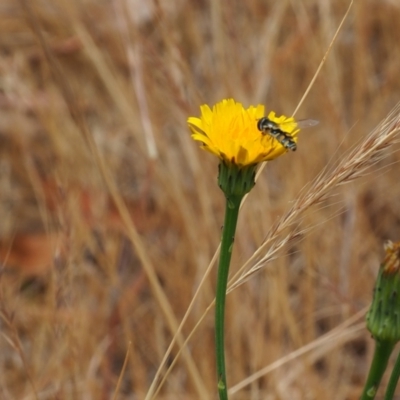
(268, 127)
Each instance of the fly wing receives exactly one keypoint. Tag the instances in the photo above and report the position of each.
(306, 123)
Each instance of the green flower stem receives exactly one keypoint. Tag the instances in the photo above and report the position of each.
(228, 234)
(394, 378)
(383, 349)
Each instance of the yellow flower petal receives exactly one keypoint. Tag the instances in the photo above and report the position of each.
(230, 131)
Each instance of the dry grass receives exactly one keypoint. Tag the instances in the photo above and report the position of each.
(111, 214)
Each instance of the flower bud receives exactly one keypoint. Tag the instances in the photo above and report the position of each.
(383, 317)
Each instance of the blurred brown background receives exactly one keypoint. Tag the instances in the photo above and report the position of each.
(104, 194)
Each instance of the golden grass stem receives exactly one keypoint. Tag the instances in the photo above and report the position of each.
(121, 374)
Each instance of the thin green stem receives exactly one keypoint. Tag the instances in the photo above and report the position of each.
(394, 378)
(383, 349)
(228, 234)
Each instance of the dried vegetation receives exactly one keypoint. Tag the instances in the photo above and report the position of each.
(110, 214)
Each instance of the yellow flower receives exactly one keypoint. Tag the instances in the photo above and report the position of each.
(230, 131)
